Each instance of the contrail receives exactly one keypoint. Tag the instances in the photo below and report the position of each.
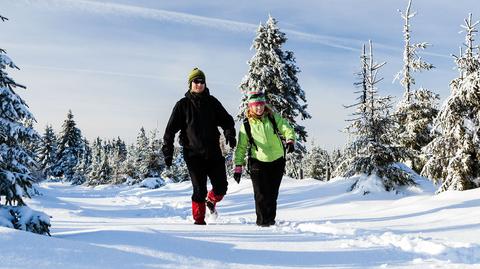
(106, 8)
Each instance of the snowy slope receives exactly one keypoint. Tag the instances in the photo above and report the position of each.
(320, 226)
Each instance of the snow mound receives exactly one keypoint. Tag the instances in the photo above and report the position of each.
(368, 184)
(152, 183)
(326, 228)
(25, 219)
(426, 247)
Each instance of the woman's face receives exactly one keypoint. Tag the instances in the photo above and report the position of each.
(258, 109)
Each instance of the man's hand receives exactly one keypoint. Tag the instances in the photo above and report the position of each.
(230, 139)
(167, 151)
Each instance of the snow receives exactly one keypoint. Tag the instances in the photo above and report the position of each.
(319, 225)
(152, 183)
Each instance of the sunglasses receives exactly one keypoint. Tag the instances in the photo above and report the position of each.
(199, 81)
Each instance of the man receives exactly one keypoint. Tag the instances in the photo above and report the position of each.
(197, 117)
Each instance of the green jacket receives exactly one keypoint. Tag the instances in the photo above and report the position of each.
(269, 145)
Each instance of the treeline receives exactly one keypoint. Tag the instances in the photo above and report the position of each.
(70, 157)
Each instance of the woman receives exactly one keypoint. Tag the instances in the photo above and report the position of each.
(259, 137)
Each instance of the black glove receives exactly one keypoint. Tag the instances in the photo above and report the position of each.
(231, 141)
(168, 161)
(230, 138)
(290, 146)
(167, 151)
(237, 173)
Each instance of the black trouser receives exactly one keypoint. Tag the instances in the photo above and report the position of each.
(199, 169)
(266, 179)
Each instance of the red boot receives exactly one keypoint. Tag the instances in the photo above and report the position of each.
(198, 212)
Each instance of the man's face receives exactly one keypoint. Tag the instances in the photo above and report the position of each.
(198, 85)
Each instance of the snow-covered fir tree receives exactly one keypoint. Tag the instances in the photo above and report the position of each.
(84, 165)
(100, 172)
(414, 125)
(118, 157)
(86, 152)
(178, 172)
(454, 153)
(228, 153)
(416, 111)
(371, 151)
(48, 152)
(15, 160)
(294, 164)
(104, 174)
(70, 148)
(129, 170)
(32, 147)
(140, 155)
(336, 158)
(151, 164)
(273, 71)
(15, 178)
(412, 62)
(318, 164)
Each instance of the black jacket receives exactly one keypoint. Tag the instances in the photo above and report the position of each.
(197, 117)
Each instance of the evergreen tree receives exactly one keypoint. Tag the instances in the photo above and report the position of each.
(141, 153)
(178, 172)
(336, 158)
(274, 71)
(129, 165)
(294, 164)
(228, 153)
(32, 147)
(372, 151)
(48, 151)
(318, 164)
(454, 154)
(94, 175)
(83, 167)
(414, 125)
(101, 168)
(415, 113)
(105, 172)
(118, 158)
(151, 164)
(15, 159)
(70, 149)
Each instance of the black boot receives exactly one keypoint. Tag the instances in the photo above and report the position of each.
(211, 207)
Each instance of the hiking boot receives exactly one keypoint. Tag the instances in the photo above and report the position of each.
(266, 224)
(211, 207)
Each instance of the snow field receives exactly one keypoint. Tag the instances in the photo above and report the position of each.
(319, 225)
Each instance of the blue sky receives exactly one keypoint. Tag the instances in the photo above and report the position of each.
(122, 64)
